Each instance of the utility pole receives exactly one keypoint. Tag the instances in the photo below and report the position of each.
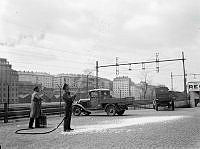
(172, 82)
(117, 67)
(157, 62)
(97, 67)
(87, 84)
(8, 95)
(59, 86)
(184, 76)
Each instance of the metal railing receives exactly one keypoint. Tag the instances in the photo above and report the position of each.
(23, 110)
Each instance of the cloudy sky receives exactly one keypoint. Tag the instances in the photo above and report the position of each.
(69, 36)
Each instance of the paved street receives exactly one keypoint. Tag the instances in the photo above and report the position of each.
(136, 129)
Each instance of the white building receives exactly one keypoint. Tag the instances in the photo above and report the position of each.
(121, 87)
(37, 78)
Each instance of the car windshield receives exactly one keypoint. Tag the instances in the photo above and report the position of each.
(105, 93)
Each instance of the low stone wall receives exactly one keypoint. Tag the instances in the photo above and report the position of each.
(181, 103)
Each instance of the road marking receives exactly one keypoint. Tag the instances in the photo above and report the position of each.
(105, 125)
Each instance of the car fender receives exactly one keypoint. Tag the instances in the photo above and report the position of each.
(79, 105)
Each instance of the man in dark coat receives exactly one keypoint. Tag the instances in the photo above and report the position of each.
(68, 99)
(35, 108)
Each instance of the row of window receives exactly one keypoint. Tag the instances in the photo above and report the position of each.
(11, 89)
(6, 95)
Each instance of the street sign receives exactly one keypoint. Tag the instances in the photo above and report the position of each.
(194, 86)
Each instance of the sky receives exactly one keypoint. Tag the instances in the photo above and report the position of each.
(69, 36)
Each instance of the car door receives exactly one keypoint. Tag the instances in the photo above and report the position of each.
(94, 99)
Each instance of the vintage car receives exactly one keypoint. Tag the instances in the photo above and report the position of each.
(100, 99)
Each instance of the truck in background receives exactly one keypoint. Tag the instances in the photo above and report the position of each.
(163, 97)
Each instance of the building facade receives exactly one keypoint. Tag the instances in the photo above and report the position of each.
(26, 87)
(80, 83)
(36, 78)
(121, 87)
(8, 82)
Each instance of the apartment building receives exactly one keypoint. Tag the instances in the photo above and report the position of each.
(37, 78)
(8, 82)
(121, 87)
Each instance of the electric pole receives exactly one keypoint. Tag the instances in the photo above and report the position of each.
(87, 84)
(97, 67)
(59, 86)
(8, 95)
(157, 62)
(171, 82)
(184, 76)
(117, 67)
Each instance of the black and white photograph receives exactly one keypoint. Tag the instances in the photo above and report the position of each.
(99, 74)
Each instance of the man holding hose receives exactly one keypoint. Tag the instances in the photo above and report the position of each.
(68, 99)
(35, 108)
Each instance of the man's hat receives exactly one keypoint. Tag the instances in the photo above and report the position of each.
(65, 86)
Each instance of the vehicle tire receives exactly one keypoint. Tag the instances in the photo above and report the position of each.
(172, 105)
(110, 110)
(156, 107)
(76, 111)
(121, 112)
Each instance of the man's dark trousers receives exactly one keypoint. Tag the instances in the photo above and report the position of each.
(67, 119)
(37, 122)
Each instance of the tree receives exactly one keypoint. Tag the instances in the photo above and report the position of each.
(145, 78)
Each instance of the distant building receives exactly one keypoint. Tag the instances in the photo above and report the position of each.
(121, 87)
(142, 91)
(8, 82)
(136, 91)
(26, 87)
(80, 83)
(105, 83)
(37, 78)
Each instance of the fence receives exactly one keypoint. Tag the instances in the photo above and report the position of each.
(15, 111)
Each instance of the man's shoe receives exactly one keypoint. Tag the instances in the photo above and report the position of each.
(68, 129)
(30, 127)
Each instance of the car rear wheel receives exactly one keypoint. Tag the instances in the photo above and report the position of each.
(110, 110)
(121, 112)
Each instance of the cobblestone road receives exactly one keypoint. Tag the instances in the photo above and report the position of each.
(136, 129)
